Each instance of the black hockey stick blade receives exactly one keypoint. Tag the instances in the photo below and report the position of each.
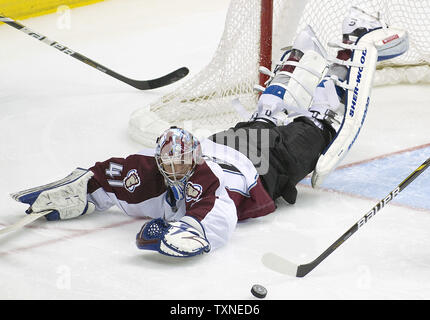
(159, 82)
(138, 84)
(284, 266)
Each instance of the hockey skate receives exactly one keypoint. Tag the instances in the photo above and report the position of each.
(358, 23)
(343, 96)
(292, 83)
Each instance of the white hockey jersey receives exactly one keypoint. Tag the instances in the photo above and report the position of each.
(224, 189)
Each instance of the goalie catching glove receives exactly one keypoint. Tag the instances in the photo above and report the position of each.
(183, 238)
(66, 198)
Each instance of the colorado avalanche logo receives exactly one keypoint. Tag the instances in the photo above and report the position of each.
(132, 180)
(193, 191)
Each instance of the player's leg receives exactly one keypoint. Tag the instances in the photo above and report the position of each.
(288, 91)
(294, 151)
(342, 98)
(293, 81)
(290, 151)
(337, 109)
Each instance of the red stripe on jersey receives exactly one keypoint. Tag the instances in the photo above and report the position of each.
(258, 204)
(200, 193)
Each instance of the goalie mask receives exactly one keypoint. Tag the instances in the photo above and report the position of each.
(177, 154)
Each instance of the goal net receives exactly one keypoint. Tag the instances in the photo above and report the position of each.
(222, 93)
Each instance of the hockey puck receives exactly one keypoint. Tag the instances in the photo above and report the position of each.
(258, 291)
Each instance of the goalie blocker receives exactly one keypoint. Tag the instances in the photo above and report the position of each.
(66, 198)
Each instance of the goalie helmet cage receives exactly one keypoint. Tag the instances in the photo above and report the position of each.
(254, 33)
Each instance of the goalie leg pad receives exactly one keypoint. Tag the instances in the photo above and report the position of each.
(360, 81)
(294, 79)
(304, 80)
(66, 197)
(184, 238)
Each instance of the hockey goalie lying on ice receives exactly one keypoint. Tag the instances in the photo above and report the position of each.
(196, 191)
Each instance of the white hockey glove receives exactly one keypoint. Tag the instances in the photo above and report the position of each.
(67, 198)
(183, 238)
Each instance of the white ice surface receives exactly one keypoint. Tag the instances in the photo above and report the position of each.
(56, 114)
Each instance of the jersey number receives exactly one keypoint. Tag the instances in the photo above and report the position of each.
(115, 170)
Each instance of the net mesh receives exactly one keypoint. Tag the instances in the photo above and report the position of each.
(326, 17)
(205, 104)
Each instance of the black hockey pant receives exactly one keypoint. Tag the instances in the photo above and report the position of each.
(282, 155)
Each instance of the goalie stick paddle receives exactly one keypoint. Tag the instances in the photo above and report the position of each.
(138, 84)
(279, 264)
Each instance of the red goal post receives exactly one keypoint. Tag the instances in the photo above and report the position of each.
(266, 35)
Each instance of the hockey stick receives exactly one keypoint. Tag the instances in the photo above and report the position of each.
(24, 221)
(138, 84)
(279, 264)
